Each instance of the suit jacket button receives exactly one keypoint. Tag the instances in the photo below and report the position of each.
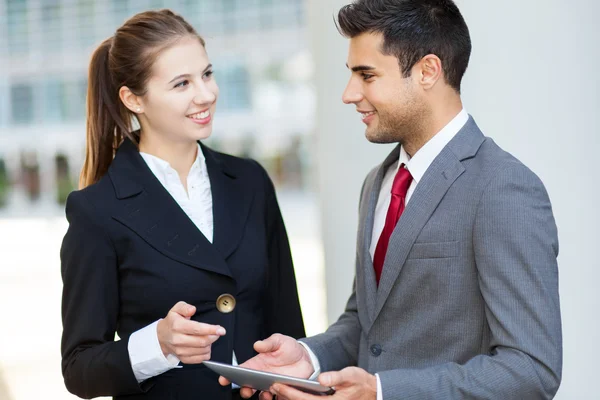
(376, 350)
(226, 303)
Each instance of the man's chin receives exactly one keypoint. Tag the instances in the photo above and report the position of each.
(374, 136)
(371, 135)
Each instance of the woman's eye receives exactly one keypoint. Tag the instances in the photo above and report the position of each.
(208, 74)
(182, 83)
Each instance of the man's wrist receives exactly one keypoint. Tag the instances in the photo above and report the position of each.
(306, 357)
(373, 383)
(312, 360)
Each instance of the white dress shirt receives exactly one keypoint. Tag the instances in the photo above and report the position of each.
(145, 354)
(417, 166)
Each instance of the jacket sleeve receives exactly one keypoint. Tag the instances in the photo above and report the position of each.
(282, 310)
(337, 348)
(93, 363)
(515, 246)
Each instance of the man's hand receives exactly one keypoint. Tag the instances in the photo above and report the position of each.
(278, 354)
(350, 384)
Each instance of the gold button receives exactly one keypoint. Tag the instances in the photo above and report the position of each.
(226, 303)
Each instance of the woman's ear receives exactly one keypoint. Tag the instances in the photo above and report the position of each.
(131, 101)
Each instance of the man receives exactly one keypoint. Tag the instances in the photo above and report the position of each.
(456, 289)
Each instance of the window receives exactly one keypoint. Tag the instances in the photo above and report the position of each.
(247, 5)
(210, 18)
(21, 97)
(229, 6)
(55, 101)
(248, 15)
(192, 12)
(85, 22)
(287, 13)
(4, 99)
(18, 29)
(120, 9)
(158, 4)
(74, 93)
(298, 12)
(135, 7)
(228, 16)
(51, 24)
(234, 85)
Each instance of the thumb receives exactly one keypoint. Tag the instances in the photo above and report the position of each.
(184, 309)
(272, 343)
(336, 378)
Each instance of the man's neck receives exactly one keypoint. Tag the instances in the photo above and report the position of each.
(438, 118)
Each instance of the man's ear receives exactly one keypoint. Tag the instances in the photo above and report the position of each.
(429, 71)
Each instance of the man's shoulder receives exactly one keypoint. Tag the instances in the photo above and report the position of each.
(493, 162)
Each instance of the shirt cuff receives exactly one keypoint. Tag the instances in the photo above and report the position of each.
(146, 356)
(379, 391)
(314, 361)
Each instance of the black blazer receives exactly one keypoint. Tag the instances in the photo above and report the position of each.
(131, 253)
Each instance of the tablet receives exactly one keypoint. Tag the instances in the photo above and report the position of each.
(261, 380)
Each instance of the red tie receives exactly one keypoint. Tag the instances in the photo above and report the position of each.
(399, 189)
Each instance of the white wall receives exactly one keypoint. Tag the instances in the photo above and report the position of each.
(343, 155)
(533, 86)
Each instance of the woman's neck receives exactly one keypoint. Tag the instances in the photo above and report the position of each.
(180, 155)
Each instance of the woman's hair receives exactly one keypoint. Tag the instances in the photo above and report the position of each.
(124, 59)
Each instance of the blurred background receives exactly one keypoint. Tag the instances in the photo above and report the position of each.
(532, 85)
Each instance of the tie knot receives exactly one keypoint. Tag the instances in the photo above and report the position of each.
(401, 182)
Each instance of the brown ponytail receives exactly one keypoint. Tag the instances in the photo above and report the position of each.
(103, 118)
(125, 59)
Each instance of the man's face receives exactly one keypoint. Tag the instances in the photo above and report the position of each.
(391, 105)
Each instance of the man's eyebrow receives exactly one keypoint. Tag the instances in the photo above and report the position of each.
(358, 68)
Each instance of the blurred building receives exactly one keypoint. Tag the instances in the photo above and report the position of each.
(262, 65)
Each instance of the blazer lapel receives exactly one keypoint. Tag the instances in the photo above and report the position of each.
(149, 210)
(232, 199)
(438, 178)
(367, 217)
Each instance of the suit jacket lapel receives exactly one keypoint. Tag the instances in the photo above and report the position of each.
(231, 203)
(149, 210)
(370, 196)
(434, 184)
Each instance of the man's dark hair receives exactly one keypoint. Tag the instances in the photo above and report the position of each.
(412, 29)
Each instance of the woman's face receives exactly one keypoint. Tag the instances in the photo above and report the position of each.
(181, 96)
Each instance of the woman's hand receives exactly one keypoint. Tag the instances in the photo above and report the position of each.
(189, 341)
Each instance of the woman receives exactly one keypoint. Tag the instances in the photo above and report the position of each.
(179, 250)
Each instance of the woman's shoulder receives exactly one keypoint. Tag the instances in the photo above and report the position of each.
(88, 201)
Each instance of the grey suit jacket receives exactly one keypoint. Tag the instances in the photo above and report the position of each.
(467, 306)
